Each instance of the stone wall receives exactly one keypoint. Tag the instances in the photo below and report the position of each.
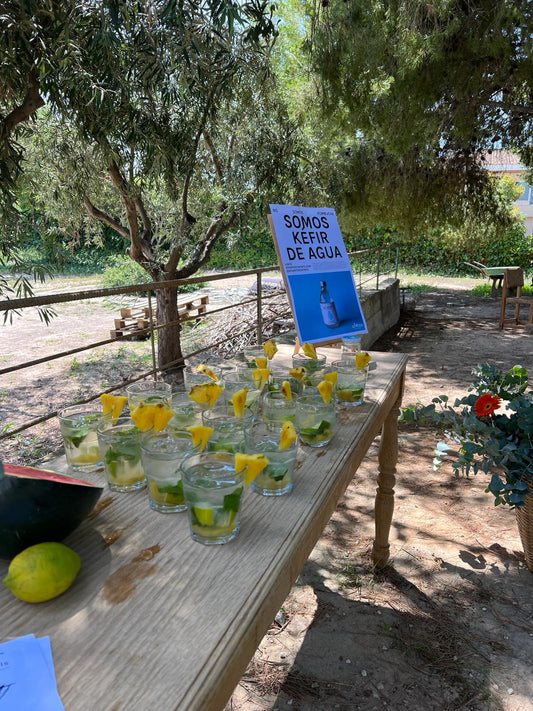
(381, 308)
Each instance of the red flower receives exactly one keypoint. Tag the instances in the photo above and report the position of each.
(486, 405)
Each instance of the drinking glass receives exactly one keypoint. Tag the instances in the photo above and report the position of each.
(193, 376)
(276, 408)
(232, 384)
(120, 445)
(252, 353)
(280, 375)
(351, 382)
(229, 432)
(313, 380)
(149, 393)
(162, 454)
(213, 494)
(78, 425)
(312, 366)
(315, 420)
(350, 347)
(276, 479)
(186, 412)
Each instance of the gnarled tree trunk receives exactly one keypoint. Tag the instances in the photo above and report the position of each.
(169, 337)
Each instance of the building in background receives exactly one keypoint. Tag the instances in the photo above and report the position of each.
(503, 163)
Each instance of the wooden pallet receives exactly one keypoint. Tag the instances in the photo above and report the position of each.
(134, 324)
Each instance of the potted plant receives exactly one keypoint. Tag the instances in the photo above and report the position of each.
(492, 432)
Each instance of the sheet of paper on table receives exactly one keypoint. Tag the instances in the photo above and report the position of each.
(27, 677)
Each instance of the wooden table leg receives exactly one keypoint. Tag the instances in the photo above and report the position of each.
(384, 504)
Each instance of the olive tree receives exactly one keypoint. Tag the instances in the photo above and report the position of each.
(151, 101)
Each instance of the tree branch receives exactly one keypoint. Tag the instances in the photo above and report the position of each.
(105, 217)
(32, 101)
(201, 254)
(188, 220)
(140, 250)
(512, 108)
(147, 223)
(214, 155)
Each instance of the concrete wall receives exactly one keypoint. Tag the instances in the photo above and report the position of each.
(381, 308)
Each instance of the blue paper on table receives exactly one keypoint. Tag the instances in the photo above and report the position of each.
(27, 678)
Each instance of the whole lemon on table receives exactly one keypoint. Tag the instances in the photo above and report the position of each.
(42, 572)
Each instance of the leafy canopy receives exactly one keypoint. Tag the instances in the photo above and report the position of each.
(421, 91)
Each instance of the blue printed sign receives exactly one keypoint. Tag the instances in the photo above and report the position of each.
(317, 272)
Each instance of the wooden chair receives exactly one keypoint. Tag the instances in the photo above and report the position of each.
(514, 279)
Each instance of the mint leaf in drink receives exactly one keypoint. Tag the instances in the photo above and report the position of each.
(126, 446)
(277, 472)
(232, 501)
(77, 439)
(176, 489)
(317, 430)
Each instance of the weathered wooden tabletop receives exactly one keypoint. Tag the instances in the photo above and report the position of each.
(157, 621)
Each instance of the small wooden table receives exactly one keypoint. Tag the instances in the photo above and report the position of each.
(157, 621)
(496, 275)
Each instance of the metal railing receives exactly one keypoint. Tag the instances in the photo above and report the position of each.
(385, 266)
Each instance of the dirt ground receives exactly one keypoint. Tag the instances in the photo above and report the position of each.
(449, 624)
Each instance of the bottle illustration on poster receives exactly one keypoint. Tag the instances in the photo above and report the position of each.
(317, 272)
(327, 306)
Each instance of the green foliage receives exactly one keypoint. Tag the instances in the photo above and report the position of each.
(121, 271)
(163, 122)
(419, 92)
(248, 247)
(485, 289)
(445, 250)
(492, 428)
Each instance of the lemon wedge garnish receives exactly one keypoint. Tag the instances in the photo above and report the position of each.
(200, 435)
(325, 388)
(239, 401)
(250, 465)
(362, 359)
(260, 376)
(270, 349)
(152, 415)
(113, 404)
(288, 435)
(331, 377)
(286, 390)
(207, 371)
(309, 350)
(297, 373)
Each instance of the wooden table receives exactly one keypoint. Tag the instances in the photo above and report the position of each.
(496, 275)
(157, 621)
